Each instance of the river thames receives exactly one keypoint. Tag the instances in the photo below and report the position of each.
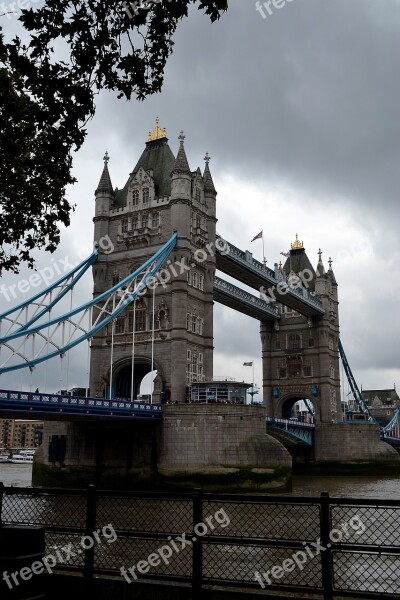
(340, 487)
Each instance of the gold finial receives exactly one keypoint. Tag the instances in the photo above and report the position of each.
(157, 133)
(106, 158)
(297, 245)
(181, 137)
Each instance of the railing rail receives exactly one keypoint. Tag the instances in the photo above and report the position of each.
(332, 547)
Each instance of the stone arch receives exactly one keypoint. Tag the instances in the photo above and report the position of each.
(286, 402)
(123, 375)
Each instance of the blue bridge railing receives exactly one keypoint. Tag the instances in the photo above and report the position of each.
(49, 404)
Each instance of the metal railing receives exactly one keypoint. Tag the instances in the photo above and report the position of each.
(333, 547)
(14, 401)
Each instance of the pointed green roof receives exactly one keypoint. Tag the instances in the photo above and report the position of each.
(158, 157)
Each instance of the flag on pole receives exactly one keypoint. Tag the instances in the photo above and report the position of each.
(258, 236)
(248, 364)
(285, 253)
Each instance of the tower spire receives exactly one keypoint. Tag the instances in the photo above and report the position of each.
(181, 165)
(105, 185)
(320, 265)
(208, 180)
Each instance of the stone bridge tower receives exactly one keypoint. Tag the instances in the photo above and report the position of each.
(160, 196)
(300, 354)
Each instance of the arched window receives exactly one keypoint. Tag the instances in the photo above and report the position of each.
(135, 197)
(146, 195)
(124, 226)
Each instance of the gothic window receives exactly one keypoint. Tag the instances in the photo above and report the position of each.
(135, 197)
(189, 355)
(201, 282)
(198, 195)
(145, 221)
(124, 226)
(120, 325)
(140, 324)
(194, 324)
(295, 368)
(156, 321)
(194, 279)
(130, 321)
(307, 370)
(198, 221)
(146, 195)
(330, 342)
(155, 220)
(134, 223)
(294, 341)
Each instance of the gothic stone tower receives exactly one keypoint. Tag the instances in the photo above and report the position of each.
(300, 354)
(162, 195)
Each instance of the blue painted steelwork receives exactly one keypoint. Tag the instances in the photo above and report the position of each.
(36, 404)
(392, 427)
(297, 429)
(75, 274)
(129, 289)
(354, 387)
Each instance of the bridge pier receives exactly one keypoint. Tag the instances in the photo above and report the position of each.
(221, 447)
(352, 443)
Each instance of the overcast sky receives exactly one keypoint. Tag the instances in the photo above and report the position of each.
(300, 113)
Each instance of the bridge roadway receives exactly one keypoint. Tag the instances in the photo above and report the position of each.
(243, 267)
(52, 407)
(229, 295)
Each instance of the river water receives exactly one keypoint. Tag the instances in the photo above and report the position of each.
(340, 487)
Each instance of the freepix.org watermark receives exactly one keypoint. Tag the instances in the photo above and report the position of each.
(270, 6)
(60, 556)
(311, 550)
(175, 546)
(45, 276)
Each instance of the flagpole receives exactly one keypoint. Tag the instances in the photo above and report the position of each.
(262, 237)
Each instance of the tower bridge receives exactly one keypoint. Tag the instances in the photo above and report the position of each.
(152, 312)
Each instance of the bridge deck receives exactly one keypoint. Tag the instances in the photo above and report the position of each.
(243, 267)
(229, 295)
(57, 407)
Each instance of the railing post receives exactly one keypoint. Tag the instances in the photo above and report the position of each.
(326, 554)
(1, 502)
(197, 556)
(88, 569)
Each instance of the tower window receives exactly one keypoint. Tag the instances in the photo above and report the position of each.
(155, 220)
(120, 325)
(124, 226)
(145, 221)
(135, 197)
(146, 195)
(140, 324)
(294, 341)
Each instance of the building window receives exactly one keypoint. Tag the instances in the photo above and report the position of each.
(198, 195)
(120, 325)
(140, 324)
(307, 370)
(311, 342)
(134, 223)
(155, 220)
(295, 368)
(156, 321)
(146, 195)
(135, 197)
(124, 226)
(145, 221)
(294, 341)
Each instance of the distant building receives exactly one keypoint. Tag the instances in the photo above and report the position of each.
(20, 433)
(382, 403)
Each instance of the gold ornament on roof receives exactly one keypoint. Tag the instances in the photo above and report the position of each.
(158, 133)
(297, 245)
